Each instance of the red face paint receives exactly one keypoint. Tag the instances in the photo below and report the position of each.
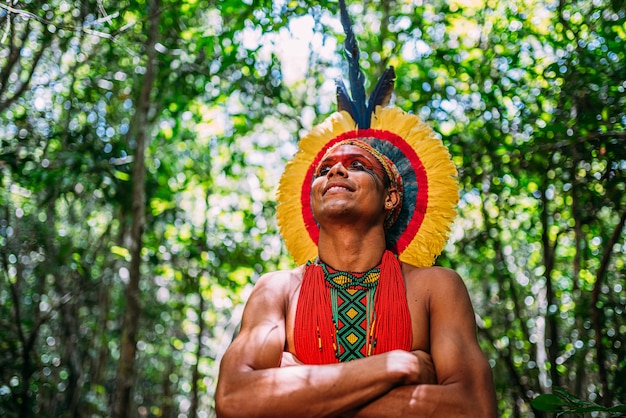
(351, 158)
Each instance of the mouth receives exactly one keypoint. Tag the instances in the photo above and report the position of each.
(337, 188)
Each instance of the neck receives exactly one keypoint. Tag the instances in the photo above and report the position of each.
(350, 250)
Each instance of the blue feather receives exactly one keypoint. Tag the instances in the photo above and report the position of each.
(343, 99)
(358, 107)
(382, 92)
(356, 77)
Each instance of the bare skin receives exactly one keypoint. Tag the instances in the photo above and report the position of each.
(445, 375)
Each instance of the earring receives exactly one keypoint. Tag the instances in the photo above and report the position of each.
(388, 205)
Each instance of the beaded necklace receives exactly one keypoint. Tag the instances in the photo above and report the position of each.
(352, 304)
(319, 324)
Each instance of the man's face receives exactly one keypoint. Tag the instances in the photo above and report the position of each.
(348, 181)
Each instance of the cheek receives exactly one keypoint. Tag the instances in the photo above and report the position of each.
(317, 184)
(375, 178)
(316, 189)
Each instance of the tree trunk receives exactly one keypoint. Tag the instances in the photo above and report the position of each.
(195, 396)
(597, 313)
(549, 249)
(122, 405)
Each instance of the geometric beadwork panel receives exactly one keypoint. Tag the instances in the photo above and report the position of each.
(352, 326)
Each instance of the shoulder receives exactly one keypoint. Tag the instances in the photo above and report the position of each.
(270, 296)
(438, 285)
(280, 283)
(280, 277)
(432, 277)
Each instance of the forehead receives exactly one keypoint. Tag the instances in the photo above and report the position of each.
(349, 151)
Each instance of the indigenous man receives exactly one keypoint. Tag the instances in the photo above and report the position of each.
(365, 327)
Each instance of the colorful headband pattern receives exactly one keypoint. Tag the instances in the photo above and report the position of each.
(427, 174)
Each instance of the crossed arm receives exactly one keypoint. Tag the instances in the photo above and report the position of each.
(252, 383)
(464, 386)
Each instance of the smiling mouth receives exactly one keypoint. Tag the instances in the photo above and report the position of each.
(337, 189)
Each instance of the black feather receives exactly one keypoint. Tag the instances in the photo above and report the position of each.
(383, 91)
(343, 99)
(357, 79)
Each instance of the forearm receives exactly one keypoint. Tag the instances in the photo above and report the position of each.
(429, 401)
(303, 391)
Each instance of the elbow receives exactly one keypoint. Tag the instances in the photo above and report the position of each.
(225, 405)
(225, 408)
(487, 392)
(235, 405)
(223, 412)
(221, 405)
(459, 399)
(484, 403)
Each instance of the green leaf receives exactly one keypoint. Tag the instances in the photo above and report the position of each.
(549, 403)
(121, 252)
(618, 409)
(121, 175)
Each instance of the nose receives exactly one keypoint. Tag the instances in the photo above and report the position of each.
(337, 169)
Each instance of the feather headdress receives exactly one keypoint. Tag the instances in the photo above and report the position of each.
(428, 175)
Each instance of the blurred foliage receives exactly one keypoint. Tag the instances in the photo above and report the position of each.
(562, 402)
(528, 95)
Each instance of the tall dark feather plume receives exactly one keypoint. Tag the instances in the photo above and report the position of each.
(356, 76)
(360, 110)
(343, 99)
(383, 91)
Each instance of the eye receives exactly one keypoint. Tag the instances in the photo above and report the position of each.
(323, 170)
(358, 165)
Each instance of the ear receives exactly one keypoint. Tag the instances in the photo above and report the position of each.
(393, 198)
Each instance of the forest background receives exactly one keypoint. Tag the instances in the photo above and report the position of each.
(141, 143)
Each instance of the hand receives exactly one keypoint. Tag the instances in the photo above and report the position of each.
(411, 368)
(426, 369)
(289, 359)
